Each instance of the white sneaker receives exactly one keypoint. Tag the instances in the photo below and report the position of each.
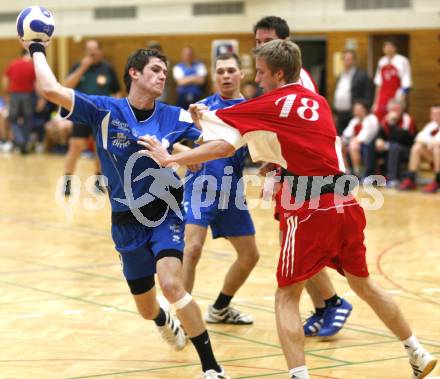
(212, 374)
(227, 315)
(172, 332)
(7, 147)
(422, 363)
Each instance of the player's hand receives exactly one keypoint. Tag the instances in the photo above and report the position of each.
(196, 111)
(430, 145)
(270, 188)
(155, 150)
(87, 61)
(26, 44)
(266, 168)
(194, 167)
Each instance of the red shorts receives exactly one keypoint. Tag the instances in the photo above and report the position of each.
(277, 210)
(330, 234)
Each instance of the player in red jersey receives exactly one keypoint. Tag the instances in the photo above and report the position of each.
(293, 127)
(392, 78)
(331, 311)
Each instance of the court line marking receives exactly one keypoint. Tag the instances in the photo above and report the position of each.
(278, 372)
(349, 326)
(225, 334)
(340, 365)
(388, 277)
(119, 280)
(210, 330)
(135, 313)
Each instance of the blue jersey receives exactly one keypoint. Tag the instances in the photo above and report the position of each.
(134, 180)
(216, 168)
(196, 68)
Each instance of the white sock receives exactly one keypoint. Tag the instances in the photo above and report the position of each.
(411, 345)
(299, 373)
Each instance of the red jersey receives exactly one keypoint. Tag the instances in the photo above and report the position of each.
(21, 75)
(291, 126)
(405, 122)
(306, 80)
(392, 75)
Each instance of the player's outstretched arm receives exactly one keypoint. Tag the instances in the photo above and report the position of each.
(206, 152)
(47, 84)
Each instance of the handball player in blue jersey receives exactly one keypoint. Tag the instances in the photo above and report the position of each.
(147, 217)
(214, 197)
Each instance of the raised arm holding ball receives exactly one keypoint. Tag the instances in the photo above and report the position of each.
(147, 220)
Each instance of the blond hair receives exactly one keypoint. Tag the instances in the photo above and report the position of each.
(282, 55)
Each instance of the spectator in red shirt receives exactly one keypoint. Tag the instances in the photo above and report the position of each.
(18, 80)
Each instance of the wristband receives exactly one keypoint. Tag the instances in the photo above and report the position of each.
(37, 48)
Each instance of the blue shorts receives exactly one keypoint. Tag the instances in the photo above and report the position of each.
(228, 221)
(139, 245)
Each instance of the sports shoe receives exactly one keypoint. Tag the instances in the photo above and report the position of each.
(172, 332)
(392, 183)
(432, 187)
(227, 315)
(99, 187)
(67, 187)
(7, 147)
(313, 325)
(407, 184)
(422, 363)
(212, 374)
(335, 318)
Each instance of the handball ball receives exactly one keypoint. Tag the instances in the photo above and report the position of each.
(35, 24)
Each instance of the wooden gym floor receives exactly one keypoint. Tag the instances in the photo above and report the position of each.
(65, 310)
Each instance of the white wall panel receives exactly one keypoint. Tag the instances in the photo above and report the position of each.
(75, 17)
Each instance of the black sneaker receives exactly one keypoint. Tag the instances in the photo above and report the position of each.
(99, 188)
(67, 187)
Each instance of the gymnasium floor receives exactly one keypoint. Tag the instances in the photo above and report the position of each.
(65, 310)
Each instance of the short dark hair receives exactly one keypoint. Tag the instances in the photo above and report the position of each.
(390, 40)
(138, 60)
(363, 103)
(352, 52)
(276, 23)
(282, 55)
(226, 56)
(98, 43)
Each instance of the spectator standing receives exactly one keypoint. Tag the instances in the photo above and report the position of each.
(352, 84)
(392, 79)
(18, 80)
(190, 76)
(5, 137)
(93, 76)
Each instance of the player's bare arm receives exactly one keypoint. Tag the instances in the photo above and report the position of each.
(48, 85)
(179, 148)
(206, 152)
